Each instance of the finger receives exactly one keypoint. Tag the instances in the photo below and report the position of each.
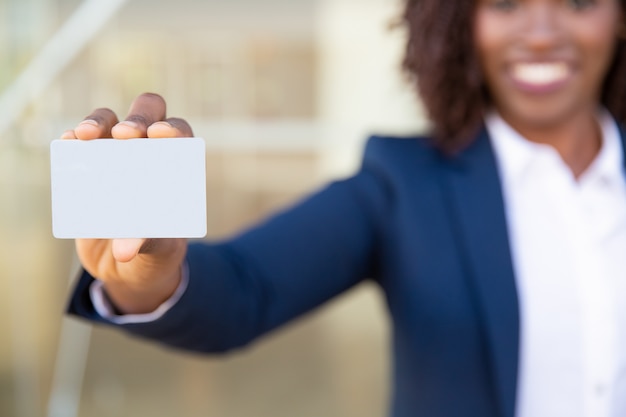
(170, 128)
(97, 125)
(147, 109)
(125, 250)
(68, 134)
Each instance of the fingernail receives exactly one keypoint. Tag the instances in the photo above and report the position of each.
(90, 122)
(130, 124)
(162, 123)
(68, 134)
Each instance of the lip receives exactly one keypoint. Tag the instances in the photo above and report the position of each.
(540, 77)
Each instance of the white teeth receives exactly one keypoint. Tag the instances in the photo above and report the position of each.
(540, 73)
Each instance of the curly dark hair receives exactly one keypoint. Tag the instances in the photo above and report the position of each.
(441, 62)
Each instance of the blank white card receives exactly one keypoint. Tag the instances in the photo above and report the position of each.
(136, 188)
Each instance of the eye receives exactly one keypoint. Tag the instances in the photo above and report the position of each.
(504, 5)
(580, 4)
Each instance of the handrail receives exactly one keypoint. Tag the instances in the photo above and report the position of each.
(77, 31)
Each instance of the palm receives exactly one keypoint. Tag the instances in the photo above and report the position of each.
(140, 282)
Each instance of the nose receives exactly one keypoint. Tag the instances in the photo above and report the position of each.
(542, 26)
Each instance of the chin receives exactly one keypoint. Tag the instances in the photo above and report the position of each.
(542, 114)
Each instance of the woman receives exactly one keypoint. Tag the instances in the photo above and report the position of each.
(498, 241)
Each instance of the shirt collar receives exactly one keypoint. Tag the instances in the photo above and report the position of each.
(515, 153)
(609, 164)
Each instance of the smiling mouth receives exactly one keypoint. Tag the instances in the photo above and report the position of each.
(540, 74)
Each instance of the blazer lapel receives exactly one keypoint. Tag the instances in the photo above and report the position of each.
(478, 212)
(622, 134)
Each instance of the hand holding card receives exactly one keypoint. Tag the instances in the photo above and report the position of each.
(126, 176)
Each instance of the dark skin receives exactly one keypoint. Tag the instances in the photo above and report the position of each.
(573, 41)
(543, 62)
(138, 274)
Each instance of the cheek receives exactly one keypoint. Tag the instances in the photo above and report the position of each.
(598, 39)
(490, 41)
(599, 47)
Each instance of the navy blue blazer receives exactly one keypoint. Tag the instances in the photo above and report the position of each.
(428, 228)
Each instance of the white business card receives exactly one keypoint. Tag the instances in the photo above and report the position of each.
(136, 188)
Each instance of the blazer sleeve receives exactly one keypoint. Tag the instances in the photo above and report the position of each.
(288, 265)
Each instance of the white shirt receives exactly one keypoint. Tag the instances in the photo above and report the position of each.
(104, 308)
(568, 244)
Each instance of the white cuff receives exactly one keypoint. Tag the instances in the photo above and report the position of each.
(105, 309)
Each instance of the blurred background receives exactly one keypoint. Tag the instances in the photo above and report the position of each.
(284, 92)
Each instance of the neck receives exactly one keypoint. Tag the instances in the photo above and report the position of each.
(577, 140)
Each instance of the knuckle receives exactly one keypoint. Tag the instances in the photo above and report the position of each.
(103, 116)
(176, 121)
(105, 111)
(147, 109)
(152, 97)
(180, 124)
(139, 119)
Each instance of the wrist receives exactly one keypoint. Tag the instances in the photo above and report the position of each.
(141, 299)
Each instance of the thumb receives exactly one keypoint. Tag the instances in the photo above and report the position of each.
(125, 250)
